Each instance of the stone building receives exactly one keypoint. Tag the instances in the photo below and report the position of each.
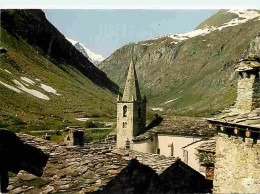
(74, 136)
(100, 167)
(237, 164)
(176, 137)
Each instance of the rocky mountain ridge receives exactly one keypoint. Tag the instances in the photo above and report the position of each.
(33, 26)
(96, 59)
(189, 75)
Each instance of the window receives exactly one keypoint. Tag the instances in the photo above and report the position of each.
(127, 144)
(124, 110)
(158, 151)
(124, 124)
(139, 112)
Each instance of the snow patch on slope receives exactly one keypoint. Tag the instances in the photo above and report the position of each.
(157, 109)
(243, 16)
(96, 59)
(49, 89)
(8, 71)
(29, 81)
(10, 87)
(26, 82)
(31, 91)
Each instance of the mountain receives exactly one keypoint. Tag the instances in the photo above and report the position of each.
(45, 82)
(193, 73)
(96, 59)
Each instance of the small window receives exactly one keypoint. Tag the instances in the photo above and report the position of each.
(124, 110)
(127, 144)
(124, 124)
(139, 112)
(158, 151)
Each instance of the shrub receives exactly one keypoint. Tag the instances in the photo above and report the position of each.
(90, 124)
(58, 132)
(2, 125)
(88, 139)
(17, 121)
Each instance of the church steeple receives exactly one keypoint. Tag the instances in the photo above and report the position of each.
(131, 111)
(132, 90)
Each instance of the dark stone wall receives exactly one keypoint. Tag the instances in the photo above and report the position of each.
(135, 178)
(16, 156)
(139, 178)
(180, 178)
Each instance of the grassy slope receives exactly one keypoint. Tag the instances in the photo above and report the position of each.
(79, 96)
(198, 73)
(217, 19)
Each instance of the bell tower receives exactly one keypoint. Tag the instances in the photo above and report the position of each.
(131, 110)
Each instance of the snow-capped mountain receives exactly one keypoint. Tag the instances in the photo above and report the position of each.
(96, 59)
(242, 16)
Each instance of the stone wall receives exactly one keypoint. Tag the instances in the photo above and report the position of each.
(135, 178)
(256, 92)
(237, 165)
(74, 137)
(124, 133)
(248, 90)
(178, 144)
(191, 181)
(147, 145)
(134, 124)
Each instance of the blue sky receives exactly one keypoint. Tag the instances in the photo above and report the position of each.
(124, 21)
(104, 31)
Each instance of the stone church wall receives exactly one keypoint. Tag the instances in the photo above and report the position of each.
(124, 132)
(146, 146)
(178, 143)
(237, 167)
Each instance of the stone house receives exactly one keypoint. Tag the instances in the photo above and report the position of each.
(237, 163)
(176, 137)
(74, 136)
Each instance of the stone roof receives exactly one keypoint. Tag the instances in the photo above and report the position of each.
(87, 168)
(147, 135)
(208, 146)
(180, 126)
(238, 117)
(249, 63)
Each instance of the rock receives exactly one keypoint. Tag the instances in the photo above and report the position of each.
(26, 176)
(17, 190)
(3, 50)
(47, 189)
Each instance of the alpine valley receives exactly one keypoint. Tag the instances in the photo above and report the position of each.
(191, 74)
(45, 82)
(47, 79)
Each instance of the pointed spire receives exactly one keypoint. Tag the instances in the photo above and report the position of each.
(132, 91)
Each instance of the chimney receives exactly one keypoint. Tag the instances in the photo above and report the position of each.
(248, 88)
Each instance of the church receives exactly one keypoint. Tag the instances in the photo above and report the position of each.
(131, 111)
(167, 138)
